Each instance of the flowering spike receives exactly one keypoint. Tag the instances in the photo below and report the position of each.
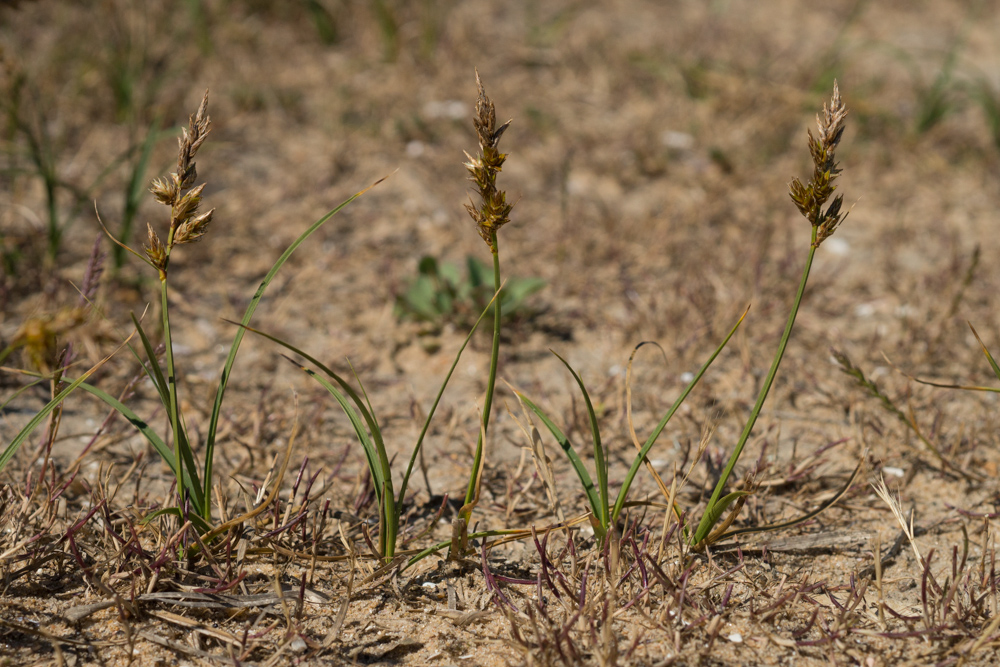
(494, 212)
(809, 198)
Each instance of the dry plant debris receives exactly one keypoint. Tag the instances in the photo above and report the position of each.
(649, 162)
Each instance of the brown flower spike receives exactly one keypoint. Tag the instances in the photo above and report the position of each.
(811, 197)
(495, 211)
(178, 192)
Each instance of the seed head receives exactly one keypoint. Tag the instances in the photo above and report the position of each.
(193, 228)
(810, 197)
(39, 336)
(494, 212)
(189, 143)
(164, 190)
(186, 206)
(178, 191)
(156, 252)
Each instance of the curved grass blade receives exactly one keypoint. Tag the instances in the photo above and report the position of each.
(848, 367)
(989, 357)
(628, 413)
(715, 512)
(118, 243)
(641, 456)
(600, 463)
(506, 535)
(347, 389)
(136, 187)
(15, 444)
(939, 385)
(220, 393)
(199, 523)
(574, 458)
(364, 393)
(805, 517)
(154, 371)
(378, 463)
(430, 414)
(190, 472)
(21, 390)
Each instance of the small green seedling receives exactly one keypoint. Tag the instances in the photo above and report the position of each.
(440, 293)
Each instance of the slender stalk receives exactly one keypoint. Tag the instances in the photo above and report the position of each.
(434, 406)
(389, 526)
(171, 384)
(470, 494)
(55, 231)
(181, 452)
(705, 525)
(182, 449)
(420, 555)
(637, 462)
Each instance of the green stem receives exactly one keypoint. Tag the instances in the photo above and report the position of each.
(171, 384)
(470, 494)
(390, 524)
(430, 415)
(182, 449)
(55, 232)
(706, 521)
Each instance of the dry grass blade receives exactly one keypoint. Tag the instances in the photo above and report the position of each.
(631, 423)
(931, 383)
(848, 367)
(830, 502)
(543, 464)
(893, 503)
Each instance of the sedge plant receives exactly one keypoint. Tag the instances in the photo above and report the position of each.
(811, 199)
(605, 514)
(187, 224)
(367, 430)
(492, 213)
(489, 217)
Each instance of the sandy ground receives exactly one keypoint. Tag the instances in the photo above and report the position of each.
(649, 156)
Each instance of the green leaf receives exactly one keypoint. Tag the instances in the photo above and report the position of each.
(989, 357)
(715, 512)
(374, 446)
(479, 273)
(213, 424)
(15, 444)
(581, 471)
(518, 290)
(430, 413)
(199, 523)
(21, 391)
(428, 266)
(420, 299)
(640, 457)
(190, 476)
(599, 461)
(154, 371)
(371, 452)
